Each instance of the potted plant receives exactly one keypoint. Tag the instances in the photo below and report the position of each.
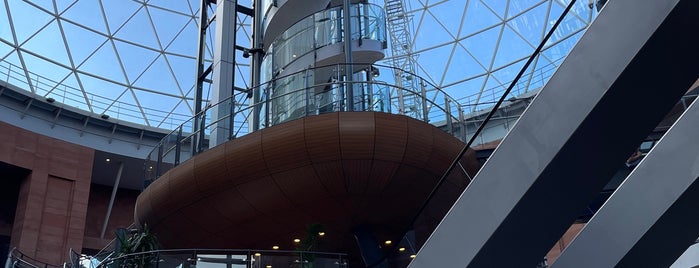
(134, 248)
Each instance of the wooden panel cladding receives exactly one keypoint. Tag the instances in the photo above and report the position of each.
(284, 148)
(391, 137)
(56, 215)
(322, 134)
(244, 158)
(357, 135)
(52, 202)
(338, 169)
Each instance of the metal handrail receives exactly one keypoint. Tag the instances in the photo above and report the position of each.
(302, 97)
(19, 259)
(250, 256)
(484, 100)
(68, 95)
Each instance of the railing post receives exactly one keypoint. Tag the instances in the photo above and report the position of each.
(157, 260)
(349, 72)
(9, 71)
(387, 99)
(423, 92)
(447, 103)
(341, 91)
(370, 88)
(401, 100)
(462, 124)
(231, 119)
(159, 163)
(267, 102)
(178, 146)
(201, 134)
(308, 93)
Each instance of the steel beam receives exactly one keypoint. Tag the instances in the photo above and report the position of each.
(201, 70)
(652, 217)
(623, 76)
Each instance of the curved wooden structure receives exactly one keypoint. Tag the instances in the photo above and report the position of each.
(340, 170)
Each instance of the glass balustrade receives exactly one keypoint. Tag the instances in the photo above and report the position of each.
(226, 258)
(309, 92)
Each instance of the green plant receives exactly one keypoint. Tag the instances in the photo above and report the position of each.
(133, 248)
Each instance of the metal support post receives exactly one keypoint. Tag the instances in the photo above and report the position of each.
(159, 163)
(256, 64)
(308, 93)
(201, 73)
(349, 88)
(178, 146)
(462, 124)
(223, 68)
(231, 119)
(111, 199)
(447, 105)
(423, 100)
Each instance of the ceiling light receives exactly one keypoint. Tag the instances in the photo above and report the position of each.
(388, 242)
(412, 256)
(401, 249)
(258, 254)
(108, 160)
(321, 233)
(296, 240)
(275, 247)
(269, 266)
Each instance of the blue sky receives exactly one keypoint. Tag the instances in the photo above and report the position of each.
(135, 59)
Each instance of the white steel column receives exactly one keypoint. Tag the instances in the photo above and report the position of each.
(223, 68)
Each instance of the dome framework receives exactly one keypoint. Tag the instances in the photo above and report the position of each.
(135, 60)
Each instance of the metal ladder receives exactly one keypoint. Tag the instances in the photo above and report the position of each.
(398, 26)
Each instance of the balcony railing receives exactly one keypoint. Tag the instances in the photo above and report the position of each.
(530, 81)
(17, 259)
(225, 258)
(75, 97)
(297, 96)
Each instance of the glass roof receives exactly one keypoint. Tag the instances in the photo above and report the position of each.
(134, 60)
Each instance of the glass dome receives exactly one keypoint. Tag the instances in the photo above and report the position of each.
(135, 60)
(473, 49)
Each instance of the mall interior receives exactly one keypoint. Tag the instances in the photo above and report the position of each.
(349, 133)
